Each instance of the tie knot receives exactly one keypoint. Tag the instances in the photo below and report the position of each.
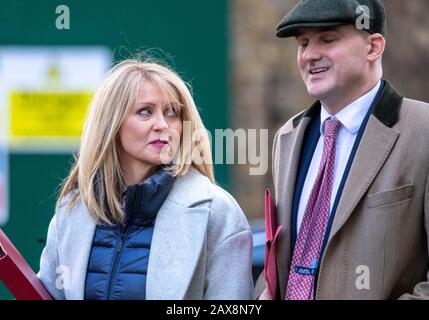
(331, 127)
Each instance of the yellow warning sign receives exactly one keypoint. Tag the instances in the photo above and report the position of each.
(47, 114)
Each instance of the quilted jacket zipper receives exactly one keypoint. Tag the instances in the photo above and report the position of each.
(120, 246)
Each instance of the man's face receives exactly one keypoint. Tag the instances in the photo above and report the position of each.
(332, 61)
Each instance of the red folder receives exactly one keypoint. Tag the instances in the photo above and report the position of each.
(272, 231)
(17, 275)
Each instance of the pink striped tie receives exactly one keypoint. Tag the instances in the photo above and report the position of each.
(305, 260)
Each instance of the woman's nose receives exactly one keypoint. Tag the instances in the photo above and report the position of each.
(160, 123)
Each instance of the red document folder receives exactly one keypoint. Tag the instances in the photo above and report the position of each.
(272, 231)
(17, 275)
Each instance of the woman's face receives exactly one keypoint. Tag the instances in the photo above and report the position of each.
(145, 136)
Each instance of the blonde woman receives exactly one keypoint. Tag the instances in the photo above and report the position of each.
(140, 216)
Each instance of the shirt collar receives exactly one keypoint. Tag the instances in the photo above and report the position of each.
(352, 115)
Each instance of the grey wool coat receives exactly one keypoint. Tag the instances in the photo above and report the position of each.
(201, 246)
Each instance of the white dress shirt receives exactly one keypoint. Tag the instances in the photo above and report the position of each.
(351, 118)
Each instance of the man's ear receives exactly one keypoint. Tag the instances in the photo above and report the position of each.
(377, 44)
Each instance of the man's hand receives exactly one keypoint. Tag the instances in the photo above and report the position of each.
(265, 295)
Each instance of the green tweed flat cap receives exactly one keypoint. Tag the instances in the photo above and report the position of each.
(367, 15)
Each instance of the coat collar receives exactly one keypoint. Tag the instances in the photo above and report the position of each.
(147, 198)
(177, 242)
(386, 110)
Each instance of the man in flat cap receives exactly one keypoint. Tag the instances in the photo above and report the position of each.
(351, 173)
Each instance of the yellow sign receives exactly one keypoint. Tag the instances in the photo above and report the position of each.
(35, 114)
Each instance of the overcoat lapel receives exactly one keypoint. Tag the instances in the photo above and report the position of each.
(375, 147)
(178, 238)
(177, 244)
(289, 154)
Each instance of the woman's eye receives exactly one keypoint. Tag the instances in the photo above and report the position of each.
(145, 112)
(171, 112)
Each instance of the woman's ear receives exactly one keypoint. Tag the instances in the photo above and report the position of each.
(377, 44)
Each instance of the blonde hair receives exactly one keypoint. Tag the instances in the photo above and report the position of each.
(96, 173)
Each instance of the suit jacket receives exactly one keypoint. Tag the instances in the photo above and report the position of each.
(201, 246)
(377, 247)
